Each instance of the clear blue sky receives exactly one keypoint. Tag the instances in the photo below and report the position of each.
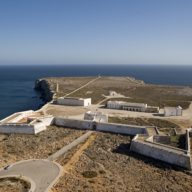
(95, 31)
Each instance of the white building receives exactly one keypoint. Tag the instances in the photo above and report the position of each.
(96, 116)
(140, 107)
(112, 93)
(26, 122)
(173, 111)
(72, 101)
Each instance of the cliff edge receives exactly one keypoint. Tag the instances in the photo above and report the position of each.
(44, 87)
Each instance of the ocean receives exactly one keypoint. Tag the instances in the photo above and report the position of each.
(17, 82)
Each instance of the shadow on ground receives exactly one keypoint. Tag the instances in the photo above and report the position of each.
(124, 149)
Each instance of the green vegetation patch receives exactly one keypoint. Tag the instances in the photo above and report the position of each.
(178, 141)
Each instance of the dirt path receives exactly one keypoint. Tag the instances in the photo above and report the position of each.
(82, 86)
(71, 163)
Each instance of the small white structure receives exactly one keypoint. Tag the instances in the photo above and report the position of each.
(112, 93)
(72, 101)
(173, 111)
(96, 116)
(26, 122)
(140, 107)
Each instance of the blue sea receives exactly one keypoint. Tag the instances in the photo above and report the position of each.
(17, 82)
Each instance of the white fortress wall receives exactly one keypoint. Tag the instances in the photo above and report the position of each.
(15, 117)
(15, 128)
(38, 127)
(32, 128)
(164, 153)
(47, 120)
(73, 123)
(102, 119)
(106, 127)
(120, 128)
(21, 116)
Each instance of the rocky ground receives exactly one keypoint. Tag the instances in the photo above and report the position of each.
(16, 147)
(13, 185)
(107, 165)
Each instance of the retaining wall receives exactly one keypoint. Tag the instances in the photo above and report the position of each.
(47, 121)
(22, 128)
(164, 139)
(73, 123)
(106, 127)
(15, 128)
(164, 153)
(120, 128)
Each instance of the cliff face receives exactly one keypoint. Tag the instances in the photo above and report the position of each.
(44, 88)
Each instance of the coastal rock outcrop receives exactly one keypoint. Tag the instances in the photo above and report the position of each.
(44, 87)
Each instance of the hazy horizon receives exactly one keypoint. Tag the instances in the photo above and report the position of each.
(100, 32)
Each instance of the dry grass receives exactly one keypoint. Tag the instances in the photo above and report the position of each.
(157, 95)
(67, 84)
(14, 147)
(143, 122)
(108, 166)
(13, 185)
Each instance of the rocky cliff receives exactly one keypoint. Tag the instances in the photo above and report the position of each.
(44, 87)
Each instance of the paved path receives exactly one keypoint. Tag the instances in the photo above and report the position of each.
(70, 146)
(42, 174)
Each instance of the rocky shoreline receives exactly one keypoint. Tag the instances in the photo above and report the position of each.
(44, 88)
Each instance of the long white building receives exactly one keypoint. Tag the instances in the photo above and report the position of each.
(73, 101)
(140, 107)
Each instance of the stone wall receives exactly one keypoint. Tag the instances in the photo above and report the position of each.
(22, 128)
(10, 124)
(72, 123)
(161, 152)
(15, 128)
(106, 127)
(121, 128)
(164, 139)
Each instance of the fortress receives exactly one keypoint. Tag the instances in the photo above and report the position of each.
(91, 107)
(146, 141)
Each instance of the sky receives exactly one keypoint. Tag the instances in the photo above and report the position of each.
(95, 32)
